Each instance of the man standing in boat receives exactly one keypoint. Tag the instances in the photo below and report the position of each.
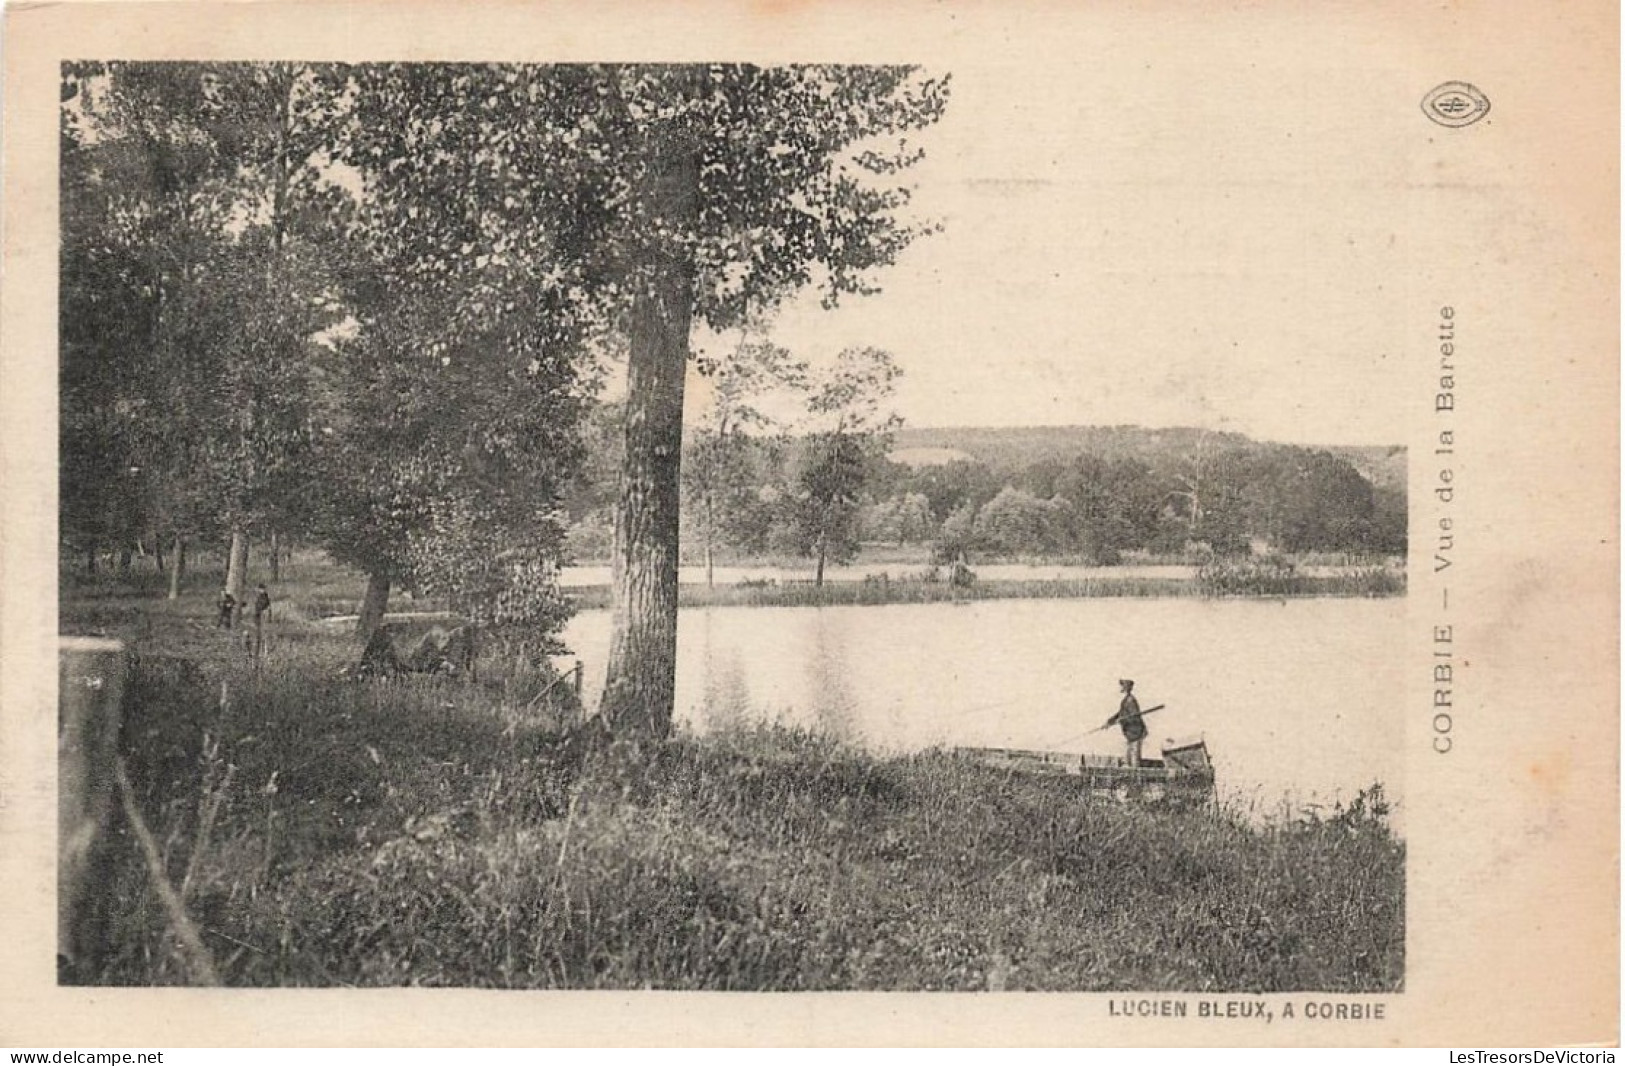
(1131, 721)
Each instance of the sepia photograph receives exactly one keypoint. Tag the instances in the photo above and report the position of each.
(805, 518)
(475, 645)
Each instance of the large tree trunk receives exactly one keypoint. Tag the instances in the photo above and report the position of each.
(818, 575)
(640, 686)
(237, 573)
(372, 606)
(177, 569)
(276, 558)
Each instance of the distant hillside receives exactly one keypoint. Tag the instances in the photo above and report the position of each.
(1008, 449)
(1385, 467)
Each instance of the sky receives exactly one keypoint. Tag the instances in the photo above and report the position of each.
(1155, 224)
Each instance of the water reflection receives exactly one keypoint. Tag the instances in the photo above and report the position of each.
(832, 700)
(726, 699)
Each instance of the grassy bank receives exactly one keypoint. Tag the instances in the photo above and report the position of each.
(433, 833)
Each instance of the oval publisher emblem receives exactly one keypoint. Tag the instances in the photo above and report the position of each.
(1455, 104)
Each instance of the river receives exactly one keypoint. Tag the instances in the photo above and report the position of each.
(1299, 701)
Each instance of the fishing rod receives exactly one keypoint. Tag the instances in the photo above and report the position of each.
(1090, 732)
(1113, 720)
(981, 707)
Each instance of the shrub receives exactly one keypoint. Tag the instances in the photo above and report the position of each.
(1373, 581)
(1269, 575)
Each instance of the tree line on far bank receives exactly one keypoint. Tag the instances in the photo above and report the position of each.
(747, 496)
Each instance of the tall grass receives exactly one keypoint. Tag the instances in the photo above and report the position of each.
(914, 589)
(332, 833)
(1270, 576)
(906, 590)
(1267, 575)
(1363, 581)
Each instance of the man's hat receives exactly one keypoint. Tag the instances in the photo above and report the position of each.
(1126, 683)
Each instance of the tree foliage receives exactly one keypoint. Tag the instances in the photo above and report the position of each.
(722, 470)
(634, 200)
(267, 322)
(851, 426)
(404, 276)
(1227, 501)
(193, 284)
(513, 166)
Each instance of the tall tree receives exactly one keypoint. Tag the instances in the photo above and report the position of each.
(278, 123)
(658, 196)
(1326, 505)
(142, 193)
(746, 182)
(914, 522)
(719, 473)
(207, 182)
(853, 428)
(1118, 505)
(445, 458)
(301, 272)
(463, 387)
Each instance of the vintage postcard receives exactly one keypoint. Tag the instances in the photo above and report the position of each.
(1067, 524)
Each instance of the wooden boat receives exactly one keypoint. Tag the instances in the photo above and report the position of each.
(1183, 776)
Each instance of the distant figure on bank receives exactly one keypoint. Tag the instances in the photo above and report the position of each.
(228, 608)
(262, 610)
(1129, 719)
